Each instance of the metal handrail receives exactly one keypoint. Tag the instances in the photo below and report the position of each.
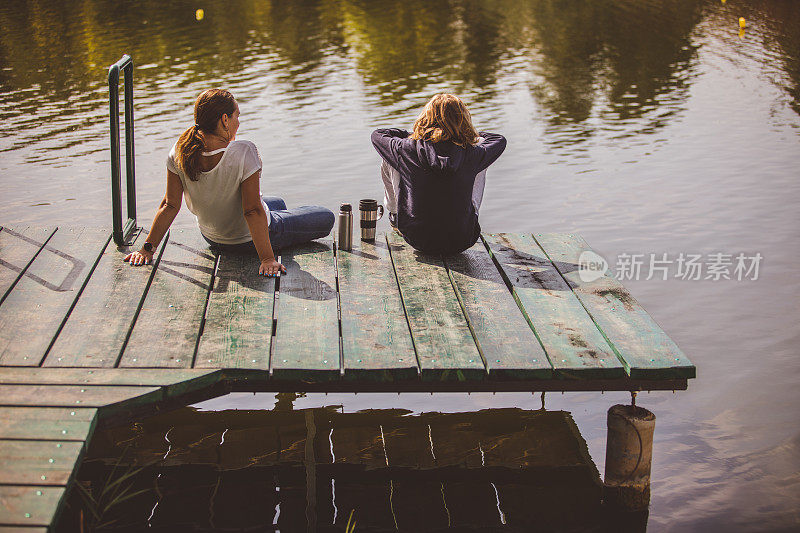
(121, 234)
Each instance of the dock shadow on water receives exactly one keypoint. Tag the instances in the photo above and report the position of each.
(290, 469)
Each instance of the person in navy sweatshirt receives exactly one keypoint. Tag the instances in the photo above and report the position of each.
(434, 176)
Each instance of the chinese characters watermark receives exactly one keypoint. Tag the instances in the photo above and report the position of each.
(686, 266)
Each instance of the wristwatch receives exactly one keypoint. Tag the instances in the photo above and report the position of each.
(148, 247)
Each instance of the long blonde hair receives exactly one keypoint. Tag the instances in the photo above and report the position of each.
(445, 118)
(208, 109)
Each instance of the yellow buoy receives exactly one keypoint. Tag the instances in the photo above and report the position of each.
(742, 22)
(723, 1)
(199, 14)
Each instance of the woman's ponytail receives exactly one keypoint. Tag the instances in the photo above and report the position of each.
(188, 152)
(208, 109)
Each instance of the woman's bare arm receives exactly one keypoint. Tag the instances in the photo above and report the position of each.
(166, 213)
(256, 218)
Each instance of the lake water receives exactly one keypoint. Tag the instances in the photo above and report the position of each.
(647, 127)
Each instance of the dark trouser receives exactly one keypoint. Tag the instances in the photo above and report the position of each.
(287, 227)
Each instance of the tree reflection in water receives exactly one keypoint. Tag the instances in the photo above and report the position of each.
(619, 65)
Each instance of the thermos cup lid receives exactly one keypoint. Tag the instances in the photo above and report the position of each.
(346, 207)
(368, 205)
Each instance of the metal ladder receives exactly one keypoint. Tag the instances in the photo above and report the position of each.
(121, 234)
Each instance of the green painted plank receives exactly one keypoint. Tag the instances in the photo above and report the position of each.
(203, 380)
(77, 396)
(100, 322)
(238, 324)
(173, 382)
(47, 423)
(147, 377)
(173, 310)
(29, 506)
(306, 344)
(444, 343)
(505, 339)
(22, 529)
(18, 248)
(647, 351)
(34, 310)
(376, 341)
(572, 342)
(38, 462)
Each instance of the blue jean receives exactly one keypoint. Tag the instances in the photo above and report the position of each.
(286, 227)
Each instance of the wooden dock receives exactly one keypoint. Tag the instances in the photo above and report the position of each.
(87, 339)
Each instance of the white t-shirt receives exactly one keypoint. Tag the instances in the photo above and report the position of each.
(215, 198)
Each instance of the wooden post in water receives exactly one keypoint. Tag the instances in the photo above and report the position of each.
(629, 453)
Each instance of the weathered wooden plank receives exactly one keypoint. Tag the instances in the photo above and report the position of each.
(445, 347)
(24, 462)
(572, 342)
(143, 377)
(29, 506)
(76, 396)
(376, 341)
(22, 529)
(34, 310)
(504, 338)
(306, 344)
(18, 248)
(165, 333)
(100, 322)
(646, 350)
(173, 382)
(238, 324)
(47, 423)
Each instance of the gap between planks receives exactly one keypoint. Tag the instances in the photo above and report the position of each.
(75, 301)
(142, 299)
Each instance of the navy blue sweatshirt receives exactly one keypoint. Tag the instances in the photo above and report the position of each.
(435, 213)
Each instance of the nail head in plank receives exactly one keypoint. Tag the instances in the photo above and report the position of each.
(35, 309)
(18, 247)
(647, 351)
(166, 330)
(509, 346)
(445, 346)
(307, 335)
(376, 341)
(574, 345)
(47, 423)
(77, 396)
(100, 322)
(238, 325)
(38, 462)
(29, 506)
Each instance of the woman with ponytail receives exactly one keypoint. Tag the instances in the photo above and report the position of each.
(434, 176)
(219, 178)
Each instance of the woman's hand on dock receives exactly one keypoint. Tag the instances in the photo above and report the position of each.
(270, 267)
(140, 257)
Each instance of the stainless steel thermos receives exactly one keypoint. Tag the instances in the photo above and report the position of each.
(345, 240)
(369, 218)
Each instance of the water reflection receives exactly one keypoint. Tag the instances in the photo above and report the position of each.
(395, 470)
(626, 64)
(620, 66)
